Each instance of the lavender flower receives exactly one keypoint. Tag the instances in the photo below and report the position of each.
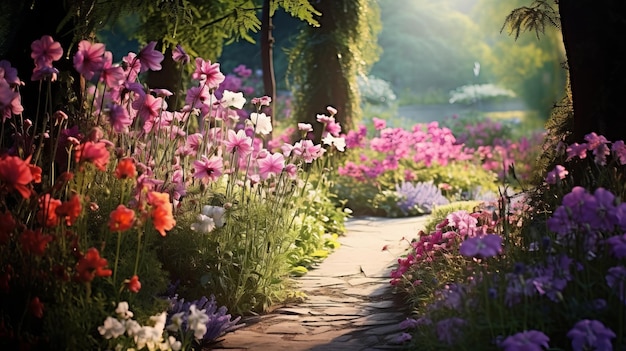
(409, 323)
(557, 174)
(448, 330)
(420, 197)
(217, 321)
(617, 244)
(591, 334)
(481, 246)
(616, 280)
(532, 340)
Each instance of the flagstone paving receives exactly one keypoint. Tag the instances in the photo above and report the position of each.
(349, 305)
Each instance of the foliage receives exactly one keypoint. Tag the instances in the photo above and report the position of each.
(532, 18)
(343, 47)
(205, 27)
(426, 46)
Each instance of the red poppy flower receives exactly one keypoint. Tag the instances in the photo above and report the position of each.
(47, 214)
(15, 174)
(133, 284)
(70, 210)
(7, 227)
(36, 307)
(95, 153)
(34, 242)
(126, 168)
(121, 219)
(91, 265)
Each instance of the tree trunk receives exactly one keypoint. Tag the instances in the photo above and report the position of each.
(595, 49)
(267, 60)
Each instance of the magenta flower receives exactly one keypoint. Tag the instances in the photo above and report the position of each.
(45, 51)
(531, 340)
(44, 72)
(305, 127)
(272, 165)
(179, 55)
(89, 58)
(558, 173)
(591, 334)
(379, 124)
(208, 169)
(481, 246)
(238, 142)
(208, 73)
(148, 107)
(150, 59)
(576, 150)
(262, 101)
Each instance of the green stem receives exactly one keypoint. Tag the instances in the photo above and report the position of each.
(117, 256)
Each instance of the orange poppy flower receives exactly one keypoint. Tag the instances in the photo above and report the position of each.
(126, 168)
(15, 174)
(163, 219)
(121, 219)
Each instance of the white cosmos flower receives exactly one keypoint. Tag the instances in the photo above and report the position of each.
(197, 321)
(123, 311)
(262, 123)
(339, 143)
(217, 213)
(205, 224)
(231, 99)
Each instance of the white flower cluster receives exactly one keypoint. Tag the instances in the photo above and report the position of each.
(210, 218)
(473, 92)
(375, 90)
(148, 337)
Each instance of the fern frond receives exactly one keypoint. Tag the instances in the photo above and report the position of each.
(531, 18)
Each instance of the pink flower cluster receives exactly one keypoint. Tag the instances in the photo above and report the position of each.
(424, 144)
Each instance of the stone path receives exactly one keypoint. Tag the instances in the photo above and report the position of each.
(349, 304)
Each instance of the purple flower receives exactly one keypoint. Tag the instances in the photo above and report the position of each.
(532, 340)
(150, 59)
(448, 330)
(619, 149)
(616, 280)
(618, 245)
(179, 55)
(409, 323)
(591, 334)
(481, 246)
(402, 338)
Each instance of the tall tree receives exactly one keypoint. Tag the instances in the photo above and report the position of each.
(326, 60)
(594, 49)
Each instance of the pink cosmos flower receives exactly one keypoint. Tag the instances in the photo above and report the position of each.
(10, 101)
(208, 169)
(148, 107)
(262, 101)
(179, 55)
(209, 73)
(119, 118)
(43, 72)
(95, 153)
(305, 127)
(273, 164)
(132, 66)
(150, 59)
(112, 75)
(559, 172)
(238, 142)
(89, 58)
(45, 51)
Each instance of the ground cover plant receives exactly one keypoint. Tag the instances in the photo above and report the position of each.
(128, 224)
(543, 270)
